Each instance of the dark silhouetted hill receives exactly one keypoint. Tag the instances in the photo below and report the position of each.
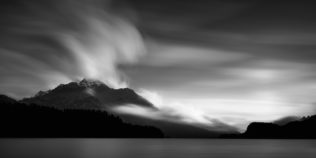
(22, 120)
(286, 120)
(6, 100)
(263, 130)
(86, 94)
(304, 128)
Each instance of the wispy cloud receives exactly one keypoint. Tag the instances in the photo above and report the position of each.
(47, 43)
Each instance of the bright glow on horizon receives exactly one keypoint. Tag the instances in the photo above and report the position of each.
(263, 106)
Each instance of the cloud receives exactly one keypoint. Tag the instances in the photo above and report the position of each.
(46, 43)
(177, 114)
(167, 110)
(164, 55)
(237, 92)
(173, 111)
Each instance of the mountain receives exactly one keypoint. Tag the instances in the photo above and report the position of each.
(299, 129)
(42, 121)
(95, 95)
(286, 120)
(87, 94)
(19, 120)
(6, 100)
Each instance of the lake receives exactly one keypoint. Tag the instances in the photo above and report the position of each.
(156, 148)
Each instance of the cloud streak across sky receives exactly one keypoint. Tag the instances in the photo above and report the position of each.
(251, 60)
(45, 43)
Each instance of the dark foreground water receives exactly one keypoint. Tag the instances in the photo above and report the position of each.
(156, 148)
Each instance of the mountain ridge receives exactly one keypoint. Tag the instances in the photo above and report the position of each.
(303, 128)
(168, 129)
(19, 120)
(5, 99)
(87, 94)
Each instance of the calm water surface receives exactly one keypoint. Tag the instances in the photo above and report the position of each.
(156, 148)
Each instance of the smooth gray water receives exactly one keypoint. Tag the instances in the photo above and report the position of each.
(157, 148)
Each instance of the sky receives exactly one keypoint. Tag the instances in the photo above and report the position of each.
(198, 61)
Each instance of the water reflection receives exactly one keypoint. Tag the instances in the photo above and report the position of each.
(156, 148)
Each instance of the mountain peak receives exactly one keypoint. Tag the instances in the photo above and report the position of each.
(73, 86)
(87, 94)
(90, 83)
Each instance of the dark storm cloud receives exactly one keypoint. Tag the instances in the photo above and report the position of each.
(272, 29)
